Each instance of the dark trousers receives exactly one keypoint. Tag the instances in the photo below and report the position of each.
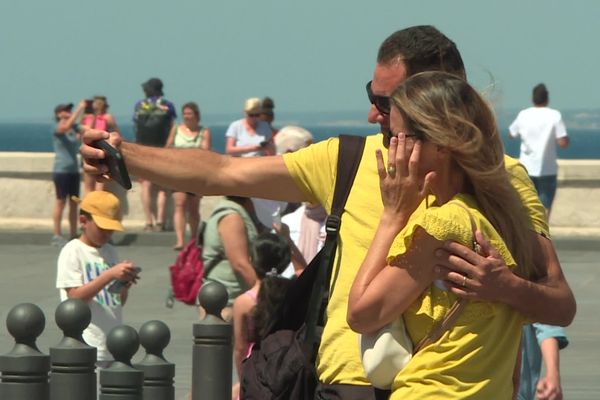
(546, 188)
(350, 392)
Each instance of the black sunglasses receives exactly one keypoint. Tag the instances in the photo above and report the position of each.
(254, 115)
(381, 103)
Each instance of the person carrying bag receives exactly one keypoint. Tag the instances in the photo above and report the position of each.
(282, 364)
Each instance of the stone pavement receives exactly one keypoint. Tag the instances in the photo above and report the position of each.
(29, 275)
(28, 266)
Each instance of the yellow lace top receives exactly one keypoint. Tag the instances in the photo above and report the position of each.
(476, 357)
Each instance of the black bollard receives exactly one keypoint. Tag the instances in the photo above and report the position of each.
(25, 369)
(121, 381)
(212, 357)
(158, 372)
(73, 362)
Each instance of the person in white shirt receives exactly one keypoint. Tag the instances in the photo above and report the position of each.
(540, 128)
(250, 136)
(88, 266)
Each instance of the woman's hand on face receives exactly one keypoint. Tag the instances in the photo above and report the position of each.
(402, 190)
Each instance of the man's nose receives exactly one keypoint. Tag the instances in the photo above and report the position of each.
(373, 114)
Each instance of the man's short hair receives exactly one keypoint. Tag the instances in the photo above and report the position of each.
(422, 48)
(540, 95)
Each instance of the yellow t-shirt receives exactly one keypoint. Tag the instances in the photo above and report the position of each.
(522, 183)
(475, 359)
(314, 171)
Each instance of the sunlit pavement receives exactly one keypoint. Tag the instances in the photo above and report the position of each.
(28, 265)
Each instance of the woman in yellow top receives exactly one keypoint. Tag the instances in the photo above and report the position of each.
(446, 145)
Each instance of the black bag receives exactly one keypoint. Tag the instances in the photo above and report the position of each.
(153, 123)
(282, 365)
(279, 369)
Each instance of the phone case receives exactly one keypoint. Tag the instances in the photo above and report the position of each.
(116, 164)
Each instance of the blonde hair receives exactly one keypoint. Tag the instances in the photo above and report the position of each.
(292, 138)
(446, 111)
(253, 104)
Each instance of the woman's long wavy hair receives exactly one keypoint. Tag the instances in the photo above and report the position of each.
(446, 111)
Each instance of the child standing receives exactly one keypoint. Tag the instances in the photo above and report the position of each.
(254, 309)
(89, 264)
(65, 172)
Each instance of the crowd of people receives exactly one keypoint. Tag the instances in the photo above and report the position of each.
(435, 171)
(155, 125)
(238, 250)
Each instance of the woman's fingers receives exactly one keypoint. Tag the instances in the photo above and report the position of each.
(413, 161)
(392, 151)
(401, 154)
(380, 165)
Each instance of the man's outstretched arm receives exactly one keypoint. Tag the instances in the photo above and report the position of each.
(549, 300)
(197, 171)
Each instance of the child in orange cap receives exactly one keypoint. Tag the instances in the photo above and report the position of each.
(88, 265)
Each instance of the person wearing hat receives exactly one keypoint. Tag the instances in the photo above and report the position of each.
(153, 119)
(250, 136)
(65, 171)
(87, 267)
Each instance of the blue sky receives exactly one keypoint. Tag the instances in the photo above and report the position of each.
(308, 55)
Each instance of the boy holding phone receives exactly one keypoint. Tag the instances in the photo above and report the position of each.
(88, 265)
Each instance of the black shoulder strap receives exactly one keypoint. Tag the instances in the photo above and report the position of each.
(349, 156)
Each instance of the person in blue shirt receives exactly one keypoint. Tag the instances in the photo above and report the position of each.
(153, 119)
(541, 342)
(65, 172)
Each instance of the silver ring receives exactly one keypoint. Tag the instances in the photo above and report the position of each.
(464, 281)
(391, 169)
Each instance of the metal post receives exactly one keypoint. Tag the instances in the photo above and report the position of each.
(212, 356)
(25, 369)
(73, 362)
(158, 372)
(121, 381)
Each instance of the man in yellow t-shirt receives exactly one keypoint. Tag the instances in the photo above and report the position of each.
(309, 175)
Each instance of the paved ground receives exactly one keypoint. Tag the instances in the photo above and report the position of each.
(29, 274)
(28, 266)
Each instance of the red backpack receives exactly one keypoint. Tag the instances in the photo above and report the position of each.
(187, 273)
(189, 270)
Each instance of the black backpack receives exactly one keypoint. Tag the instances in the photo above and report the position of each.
(153, 122)
(282, 365)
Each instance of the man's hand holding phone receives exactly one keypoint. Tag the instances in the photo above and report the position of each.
(116, 165)
(94, 158)
(111, 165)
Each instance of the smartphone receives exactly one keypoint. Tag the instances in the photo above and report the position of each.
(116, 164)
(89, 109)
(117, 286)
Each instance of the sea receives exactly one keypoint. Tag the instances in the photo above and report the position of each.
(37, 137)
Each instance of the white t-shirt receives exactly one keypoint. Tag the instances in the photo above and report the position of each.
(237, 130)
(539, 129)
(294, 220)
(79, 264)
